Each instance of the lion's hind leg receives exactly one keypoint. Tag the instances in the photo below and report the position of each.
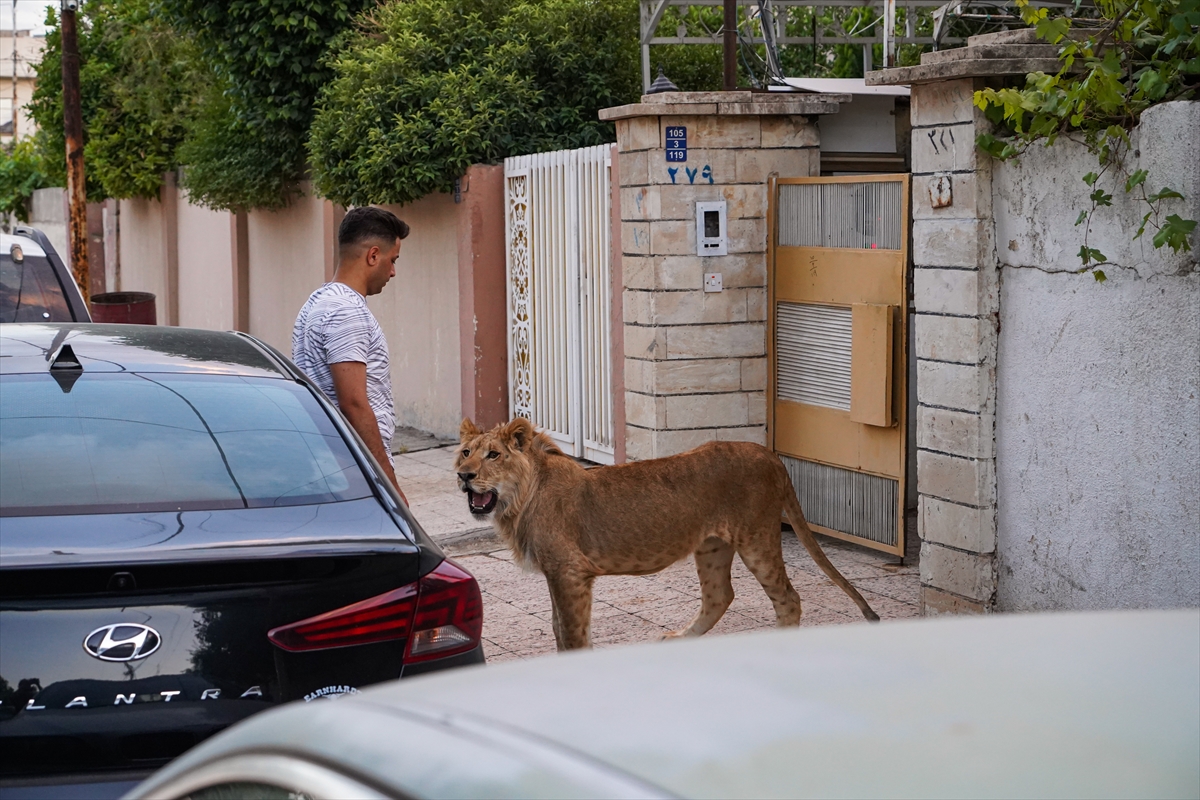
(766, 564)
(714, 558)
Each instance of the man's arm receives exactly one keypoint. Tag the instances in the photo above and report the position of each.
(350, 385)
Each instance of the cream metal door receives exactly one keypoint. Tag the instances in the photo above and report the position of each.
(837, 350)
(558, 226)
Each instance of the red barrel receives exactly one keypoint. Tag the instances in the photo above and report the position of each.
(135, 308)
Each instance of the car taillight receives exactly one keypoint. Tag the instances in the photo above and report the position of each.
(449, 616)
(440, 615)
(377, 619)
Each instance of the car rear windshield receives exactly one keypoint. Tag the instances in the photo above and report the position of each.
(125, 442)
(29, 291)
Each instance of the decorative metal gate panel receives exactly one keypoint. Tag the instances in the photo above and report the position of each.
(838, 308)
(558, 238)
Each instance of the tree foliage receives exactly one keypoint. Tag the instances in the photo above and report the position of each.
(422, 89)
(21, 173)
(1144, 52)
(137, 92)
(409, 92)
(264, 65)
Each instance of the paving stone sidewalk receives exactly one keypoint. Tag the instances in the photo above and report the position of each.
(637, 608)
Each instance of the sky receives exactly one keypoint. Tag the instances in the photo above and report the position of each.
(31, 14)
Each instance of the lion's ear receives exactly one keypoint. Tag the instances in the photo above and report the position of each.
(468, 430)
(518, 433)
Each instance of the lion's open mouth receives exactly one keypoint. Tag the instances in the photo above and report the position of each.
(481, 503)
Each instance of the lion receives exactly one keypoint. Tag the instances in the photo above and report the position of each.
(573, 524)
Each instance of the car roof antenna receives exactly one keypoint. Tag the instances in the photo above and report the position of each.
(66, 368)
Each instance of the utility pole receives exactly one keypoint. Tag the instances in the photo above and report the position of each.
(730, 45)
(73, 128)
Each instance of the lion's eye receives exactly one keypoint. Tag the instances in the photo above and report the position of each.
(466, 453)
(492, 455)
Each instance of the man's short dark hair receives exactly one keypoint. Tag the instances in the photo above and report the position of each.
(370, 223)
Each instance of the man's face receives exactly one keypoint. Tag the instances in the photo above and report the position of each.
(381, 265)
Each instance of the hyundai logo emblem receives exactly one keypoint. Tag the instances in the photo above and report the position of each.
(122, 641)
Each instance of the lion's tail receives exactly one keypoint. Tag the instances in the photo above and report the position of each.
(795, 516)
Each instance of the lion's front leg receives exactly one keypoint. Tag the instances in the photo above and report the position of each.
(571, 607)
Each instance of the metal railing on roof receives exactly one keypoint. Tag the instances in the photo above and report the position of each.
(767, 25)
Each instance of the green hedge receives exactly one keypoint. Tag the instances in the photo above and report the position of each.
(425, 88)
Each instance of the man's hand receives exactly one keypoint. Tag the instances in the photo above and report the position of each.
(350, 385)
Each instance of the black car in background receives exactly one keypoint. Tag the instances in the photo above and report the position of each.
(190, 533)
(35, 284)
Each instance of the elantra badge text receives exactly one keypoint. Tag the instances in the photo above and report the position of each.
(122, 641)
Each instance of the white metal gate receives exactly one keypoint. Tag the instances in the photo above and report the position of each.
(558, 231)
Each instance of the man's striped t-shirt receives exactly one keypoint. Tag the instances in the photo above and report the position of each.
(336, 326)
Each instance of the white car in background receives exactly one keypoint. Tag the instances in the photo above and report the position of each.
(1053, 705)
(35, 284)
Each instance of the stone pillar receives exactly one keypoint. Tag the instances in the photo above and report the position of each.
(956, 302)
(695, 361)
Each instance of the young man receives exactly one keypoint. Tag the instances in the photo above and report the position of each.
(338, 343)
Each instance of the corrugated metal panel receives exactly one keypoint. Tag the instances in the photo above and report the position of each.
(812, 354)
(846, 501)
(856, 215)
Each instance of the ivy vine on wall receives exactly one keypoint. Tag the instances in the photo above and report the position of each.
(1142, 53)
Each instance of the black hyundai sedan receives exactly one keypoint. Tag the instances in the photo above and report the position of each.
(191, 533)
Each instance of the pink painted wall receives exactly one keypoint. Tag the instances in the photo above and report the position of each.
(143, 262)
(444, 314)
(205, 267)
(287, 263)
(483, 315)
(419, 314)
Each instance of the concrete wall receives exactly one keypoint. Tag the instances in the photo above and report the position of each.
(142, 248)
(287, 263)
(1098, 403)
(48, 213)
(419, 314)
(205, 268)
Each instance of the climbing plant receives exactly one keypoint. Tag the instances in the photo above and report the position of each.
(1141, 52)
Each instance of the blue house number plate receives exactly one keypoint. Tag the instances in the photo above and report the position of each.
(677, 143)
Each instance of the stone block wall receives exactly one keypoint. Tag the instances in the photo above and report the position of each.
(696, 362)
(955, 302)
